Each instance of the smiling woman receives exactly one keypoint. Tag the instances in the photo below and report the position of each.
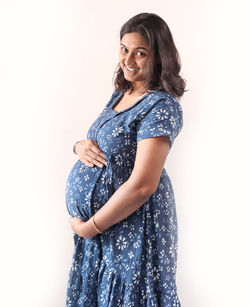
(124, 214)
(133, 61)
(147, 40)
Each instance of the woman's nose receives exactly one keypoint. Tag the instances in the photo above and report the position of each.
(129, 61)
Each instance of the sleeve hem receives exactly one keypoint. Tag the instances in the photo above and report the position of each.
(147, 136)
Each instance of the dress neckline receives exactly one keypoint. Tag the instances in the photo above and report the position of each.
(119, 98)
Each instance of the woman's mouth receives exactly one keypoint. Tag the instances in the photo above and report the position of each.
(130, 70)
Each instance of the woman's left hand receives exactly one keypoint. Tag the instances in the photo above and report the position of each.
(77, 225)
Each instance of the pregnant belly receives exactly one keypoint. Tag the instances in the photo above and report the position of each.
(89, 188)
(85, 186)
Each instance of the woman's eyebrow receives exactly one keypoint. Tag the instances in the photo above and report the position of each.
(136, 47)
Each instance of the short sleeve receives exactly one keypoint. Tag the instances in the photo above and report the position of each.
(164, 118)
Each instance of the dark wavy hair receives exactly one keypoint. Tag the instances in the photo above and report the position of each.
(165, 76)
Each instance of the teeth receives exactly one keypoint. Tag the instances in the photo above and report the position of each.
(131, 69)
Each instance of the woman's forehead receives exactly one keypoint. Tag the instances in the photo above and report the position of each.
(134, 40)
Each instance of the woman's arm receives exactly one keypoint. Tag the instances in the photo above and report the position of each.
(150, 158)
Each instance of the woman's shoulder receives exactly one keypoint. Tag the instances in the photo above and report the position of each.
(164, 95)
(115, 94)
(161, 99)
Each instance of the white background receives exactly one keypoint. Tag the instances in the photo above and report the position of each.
(57, 60)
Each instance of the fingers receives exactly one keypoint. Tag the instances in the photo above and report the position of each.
(86, 162)
(90, 153)
(91, 161)
(96, 149)
(96, 158)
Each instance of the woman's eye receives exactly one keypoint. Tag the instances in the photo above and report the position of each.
(123, 49)
(142, 53)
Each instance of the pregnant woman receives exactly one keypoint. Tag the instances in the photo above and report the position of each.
(118, 194)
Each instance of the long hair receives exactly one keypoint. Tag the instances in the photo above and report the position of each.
(165, 75)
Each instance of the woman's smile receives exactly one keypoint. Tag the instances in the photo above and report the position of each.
(130, 71)
(133, 58)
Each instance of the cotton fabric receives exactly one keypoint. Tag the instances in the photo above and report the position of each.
(134, 262)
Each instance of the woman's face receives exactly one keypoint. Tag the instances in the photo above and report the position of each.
(133, 56)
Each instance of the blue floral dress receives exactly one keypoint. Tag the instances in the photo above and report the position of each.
(133, 263)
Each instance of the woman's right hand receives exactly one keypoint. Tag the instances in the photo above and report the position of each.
(89, 153)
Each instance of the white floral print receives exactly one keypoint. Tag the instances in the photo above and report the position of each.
(133, 263)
